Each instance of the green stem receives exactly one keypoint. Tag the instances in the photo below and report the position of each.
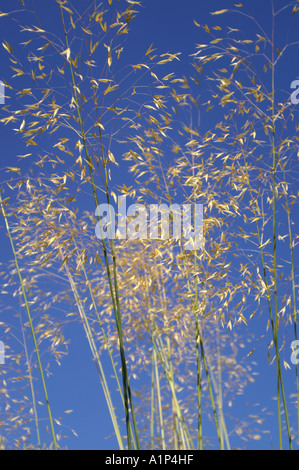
(152, 421)
(105, 340)
(294, 304)
(95, 354)
(206, 367)
(278, 366)
(159, 397)
(198, 363)
(31, 325)
(114, 294)
(31, 386)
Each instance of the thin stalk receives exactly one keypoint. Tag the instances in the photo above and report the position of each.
(274, 323)
(273, 329)
(206, 367)
(168, 372)
(275, 339)
(106, 184)
(31, 385)
(31, 324)
(102, 330)
(294, 303)
(174, 426)
(106, 343)
(95, 354)
(199, 396)
(152, 421)
(155, 385)
(114, 291)
(219, 393)
(184, 432)
(186, 437)
(211, 395)
(165, 361)
(198, 363)
(159, 398)
(274, 240)
(278, 366)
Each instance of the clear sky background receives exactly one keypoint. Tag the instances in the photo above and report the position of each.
(168, 24)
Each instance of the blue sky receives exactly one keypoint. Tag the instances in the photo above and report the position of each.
(169, 26)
